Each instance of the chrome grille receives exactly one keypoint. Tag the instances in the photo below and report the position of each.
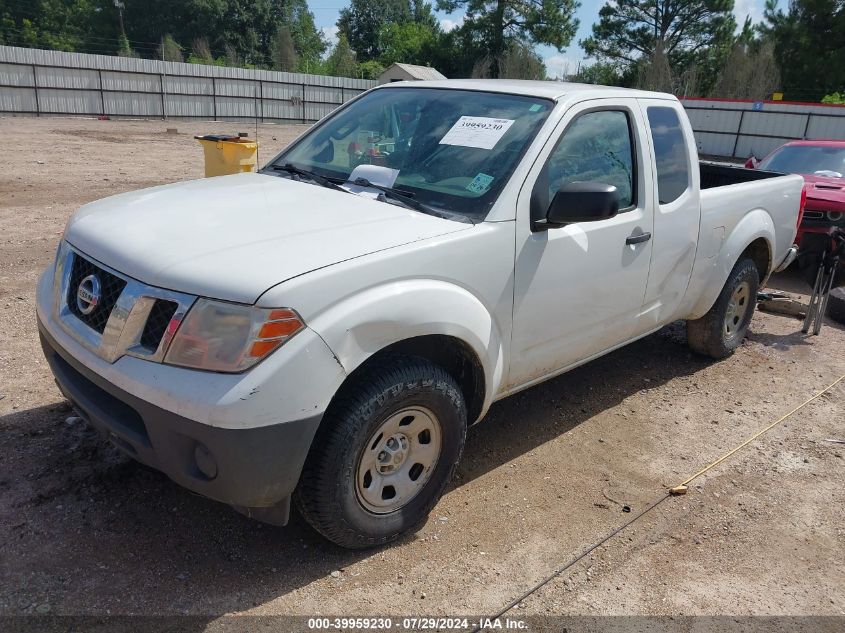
(130, 319)
(156, 325)
(110, 288)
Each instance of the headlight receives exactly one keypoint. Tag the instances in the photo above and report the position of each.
(230, 337)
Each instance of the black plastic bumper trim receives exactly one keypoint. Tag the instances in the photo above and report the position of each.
(256, 467)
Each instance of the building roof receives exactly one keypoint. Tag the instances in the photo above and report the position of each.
(424, 73)
(548, 89)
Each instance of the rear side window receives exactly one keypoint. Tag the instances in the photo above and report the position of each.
(670, 153)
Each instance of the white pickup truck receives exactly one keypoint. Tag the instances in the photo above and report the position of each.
(326, 329)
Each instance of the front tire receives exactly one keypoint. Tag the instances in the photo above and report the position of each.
(719, 332)
(384, 453)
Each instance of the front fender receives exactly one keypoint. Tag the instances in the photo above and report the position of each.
(711, 272)
(367, 322)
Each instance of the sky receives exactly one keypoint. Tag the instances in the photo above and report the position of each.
(326, 13)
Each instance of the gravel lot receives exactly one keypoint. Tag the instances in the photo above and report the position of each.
(83, 530)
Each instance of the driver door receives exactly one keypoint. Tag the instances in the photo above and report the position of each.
(579, 289)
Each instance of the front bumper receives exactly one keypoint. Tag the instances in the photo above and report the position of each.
(254, 469)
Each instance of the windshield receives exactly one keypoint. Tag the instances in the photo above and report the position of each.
(807, 159)
(454, 149)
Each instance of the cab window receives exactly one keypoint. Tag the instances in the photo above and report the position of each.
(597, 147)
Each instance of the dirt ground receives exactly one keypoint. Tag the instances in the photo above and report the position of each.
(85, 531)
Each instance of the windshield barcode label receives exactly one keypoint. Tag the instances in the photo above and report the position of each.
(476, 131)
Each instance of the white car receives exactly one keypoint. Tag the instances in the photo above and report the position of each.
(326, 329)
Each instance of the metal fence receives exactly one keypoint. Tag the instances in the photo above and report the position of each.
(39, 82)
(734, 128)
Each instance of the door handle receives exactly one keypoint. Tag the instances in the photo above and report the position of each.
(638, 239)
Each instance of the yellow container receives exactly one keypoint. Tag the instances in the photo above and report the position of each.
(228, 154)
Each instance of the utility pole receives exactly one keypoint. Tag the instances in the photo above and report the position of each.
(119, 5)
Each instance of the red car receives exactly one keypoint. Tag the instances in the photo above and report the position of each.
(822, 163)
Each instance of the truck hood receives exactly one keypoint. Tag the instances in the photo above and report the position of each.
(233, 237)
(824, 193)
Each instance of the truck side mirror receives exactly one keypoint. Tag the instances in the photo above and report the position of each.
(751, 163)
(582, 202)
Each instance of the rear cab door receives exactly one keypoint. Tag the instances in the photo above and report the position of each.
(677, 211)
(579, 289)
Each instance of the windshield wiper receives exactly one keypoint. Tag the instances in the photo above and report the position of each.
(407, 200)
(310, 175)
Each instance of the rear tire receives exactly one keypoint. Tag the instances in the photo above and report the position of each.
(719, 332)
(384, 453)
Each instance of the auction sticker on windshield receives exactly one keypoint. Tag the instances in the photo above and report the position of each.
(476, 131)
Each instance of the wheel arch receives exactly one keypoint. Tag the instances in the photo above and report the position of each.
(455, 356)
(752, 237)
(431, 319)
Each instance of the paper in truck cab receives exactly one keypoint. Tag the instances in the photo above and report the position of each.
(476, 131)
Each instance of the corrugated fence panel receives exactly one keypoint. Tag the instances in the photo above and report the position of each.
(189, 85)
(238, 88)
(714, 144)
(67, 78)
(131, 82)
(18, 100)
(281, 91)
(52, 101)
(284, 110)
(757, 146)
(189, 106)
(75, 83)
(132, 104)
(714, 120)
(11, 75)
(826, 127)
(774, 124)
(323, 94)
(238, 107)
(765, 125)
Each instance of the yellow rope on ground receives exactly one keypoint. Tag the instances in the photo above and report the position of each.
(681, 488)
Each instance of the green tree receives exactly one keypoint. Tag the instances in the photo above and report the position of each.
(170, 50)
(748, 69)
(409, 42)
(601, 73)
(362, 21)
(69, 25)
(283, 52)
(370, 70)
(342, 62)
(683, 31)
(124, 49)
(200, 52)
(235, 31)
(493, 26)
(809, 46)
(308, 42)
(520, 61)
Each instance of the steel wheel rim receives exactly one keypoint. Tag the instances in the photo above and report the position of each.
(398, 460)
(737, 309)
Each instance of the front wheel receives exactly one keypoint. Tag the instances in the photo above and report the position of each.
(384, 453)
(719, 332)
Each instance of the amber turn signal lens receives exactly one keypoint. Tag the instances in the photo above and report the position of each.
(262, 348)
(278, 315)
(275, 329)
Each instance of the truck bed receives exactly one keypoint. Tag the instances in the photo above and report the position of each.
(732, 195)
(721, 175)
